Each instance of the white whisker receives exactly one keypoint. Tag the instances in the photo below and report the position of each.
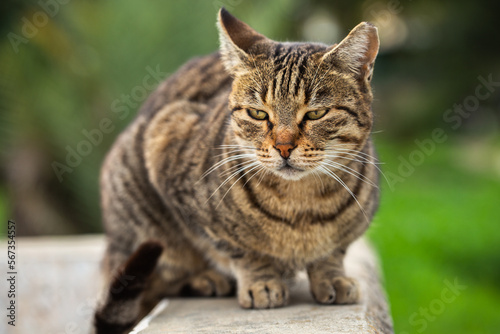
(231, 187)
(350, 171)
(231, 177)
(231, 169)
(231, 152)
(235, 146)
(257, 172)
(360, 159)
(335, 149)
(366, 158)
(318, 177)
(262, 176)
(225, 161)
(338, 179)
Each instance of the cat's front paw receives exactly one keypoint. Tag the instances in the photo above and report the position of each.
(263, 294)
(338, 290)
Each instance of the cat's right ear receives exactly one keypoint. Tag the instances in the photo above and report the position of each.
(237, 41)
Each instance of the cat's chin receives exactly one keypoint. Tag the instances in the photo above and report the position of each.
(290, 173)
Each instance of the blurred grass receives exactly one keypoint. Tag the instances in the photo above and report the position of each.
(439, 224)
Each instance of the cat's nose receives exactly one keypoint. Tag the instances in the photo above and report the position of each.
(285, 149)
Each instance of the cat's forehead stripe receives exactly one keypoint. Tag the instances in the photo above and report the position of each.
(289, 70)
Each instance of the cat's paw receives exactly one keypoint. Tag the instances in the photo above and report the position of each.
(338, 290)
(263, 294)
(209, 283)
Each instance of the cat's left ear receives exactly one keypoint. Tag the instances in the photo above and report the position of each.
(357, 52)
(237, 41)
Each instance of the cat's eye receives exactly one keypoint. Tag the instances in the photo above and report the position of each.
(316, 114)
(257, 114)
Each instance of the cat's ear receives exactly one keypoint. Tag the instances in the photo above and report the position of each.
(237, 39)
(357, 52)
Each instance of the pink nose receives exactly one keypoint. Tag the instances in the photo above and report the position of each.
(285, 149)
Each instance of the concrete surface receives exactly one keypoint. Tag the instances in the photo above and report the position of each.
(58, 280)
(57, 284)
(303, 315)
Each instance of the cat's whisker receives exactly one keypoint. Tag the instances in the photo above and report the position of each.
(352, 151)
(232, 152)
(266, 171)
(373, 163)
(346, 167)
(349, 158)
(339, 180)
(255, 165)
(257, 172)
(221, 147)
(237, 148)
(361, 155)
(317, 177)
(231, 177)
(342, 147)
(350, 171)
(231, 169)
(355, 154)
(223, 162)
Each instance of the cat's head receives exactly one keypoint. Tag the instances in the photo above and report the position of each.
(298, 106)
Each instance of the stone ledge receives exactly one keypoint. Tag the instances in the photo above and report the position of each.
(303, 315)
(58, 281)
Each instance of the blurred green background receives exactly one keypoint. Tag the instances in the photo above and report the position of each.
(66, 67)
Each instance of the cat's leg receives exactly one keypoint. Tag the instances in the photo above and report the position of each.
(209, 283)
(161, 266)
(328, 282)
(133, 215)
(260, 282)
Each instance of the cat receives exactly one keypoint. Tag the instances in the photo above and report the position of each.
(242, 168)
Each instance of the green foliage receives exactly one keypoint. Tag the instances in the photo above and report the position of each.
(439, 225)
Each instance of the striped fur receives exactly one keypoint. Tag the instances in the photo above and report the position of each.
(230, 198)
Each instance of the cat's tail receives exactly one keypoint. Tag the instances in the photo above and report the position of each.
(121, 308)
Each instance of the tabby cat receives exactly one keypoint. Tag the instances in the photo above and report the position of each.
(242, 168)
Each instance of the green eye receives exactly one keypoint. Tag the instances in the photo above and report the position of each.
(316, 114)
(257, 114)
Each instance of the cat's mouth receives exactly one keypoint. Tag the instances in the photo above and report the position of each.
(290, 172)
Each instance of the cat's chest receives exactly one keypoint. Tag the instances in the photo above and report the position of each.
(299, 205)
(296, 245)
(300, 244)
(293, 224)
